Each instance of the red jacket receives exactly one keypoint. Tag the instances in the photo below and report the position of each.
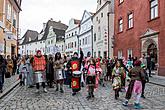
(39, 63)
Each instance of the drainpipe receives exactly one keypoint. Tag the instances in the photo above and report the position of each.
(92, 38)
(108, 34)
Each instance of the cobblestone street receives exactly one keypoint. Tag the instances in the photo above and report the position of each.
(22, 98)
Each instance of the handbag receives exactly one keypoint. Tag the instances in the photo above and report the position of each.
(7, 75)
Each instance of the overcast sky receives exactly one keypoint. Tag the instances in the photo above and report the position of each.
(35, 12)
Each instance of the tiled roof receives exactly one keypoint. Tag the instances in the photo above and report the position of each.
(55, 25)
(30, 36)
(60, 34)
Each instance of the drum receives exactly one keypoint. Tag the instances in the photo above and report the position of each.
(59, 74)
(77, 73)
(91, 80)
(39, 76)
(76, 79)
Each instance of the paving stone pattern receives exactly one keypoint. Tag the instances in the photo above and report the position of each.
(23, 98)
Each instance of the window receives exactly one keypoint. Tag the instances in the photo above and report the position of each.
(51, 41)
(80, 42)
(129, 52)
(68, 46)
(85, 40)
(120, 25)
(41, 42)
(22, 47)
(72, 44)
(97, 18)
(75, 32)
(14, 19)
(101, 14)
(120, 54)
(153, 8)
(94, 54)
(121, 1)
(9, 11)
(95, 37)
(72, 33)
(130, 20)
(99, 54)
(48, 42)
(99, 33)
(75, 44)
(62, 47)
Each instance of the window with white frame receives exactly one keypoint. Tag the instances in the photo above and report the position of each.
(130, 20)
(129, 52)
(121, 1)
(153, 9)
(14, 19)
(9, 11)
(121, 25)
(120, 54)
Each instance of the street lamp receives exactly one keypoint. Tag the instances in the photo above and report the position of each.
(92, 38)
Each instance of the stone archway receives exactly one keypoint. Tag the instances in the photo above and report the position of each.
(150, 47)
(146, 44)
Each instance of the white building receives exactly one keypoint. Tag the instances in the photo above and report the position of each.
(103, 28)
(54, 34)
(85, 33)
(71, 37)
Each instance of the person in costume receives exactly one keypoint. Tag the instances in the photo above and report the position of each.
(91, 78)
(117, 74)
(39, 68)
(137, 75)
(50, 72)
(75, 65)
(58, 71)
(104, 71)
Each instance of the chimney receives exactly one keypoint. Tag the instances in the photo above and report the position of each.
(44, 26)
(51, 19)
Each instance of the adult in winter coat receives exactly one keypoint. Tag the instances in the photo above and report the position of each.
(50, 72)
(30, 80)
(2, 72)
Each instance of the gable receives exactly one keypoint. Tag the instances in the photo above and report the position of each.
(85, 16)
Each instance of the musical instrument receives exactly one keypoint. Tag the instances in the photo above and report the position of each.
(76, 79)
(91, 80)
(39, 76)
(77, 73)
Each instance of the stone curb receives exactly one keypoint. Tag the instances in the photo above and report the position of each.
(157, 84)
(8, 90)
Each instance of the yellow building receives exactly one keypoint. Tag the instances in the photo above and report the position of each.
(9, 26)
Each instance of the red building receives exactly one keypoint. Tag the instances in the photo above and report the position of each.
(140, 28)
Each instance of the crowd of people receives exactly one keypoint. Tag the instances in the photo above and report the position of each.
(128, 76)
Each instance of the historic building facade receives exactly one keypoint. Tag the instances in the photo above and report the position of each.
(85, 33)
(103, 28)
(140, 29)
(9, 26)
(71, 37)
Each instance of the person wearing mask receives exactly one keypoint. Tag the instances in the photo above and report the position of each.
(39, 68)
